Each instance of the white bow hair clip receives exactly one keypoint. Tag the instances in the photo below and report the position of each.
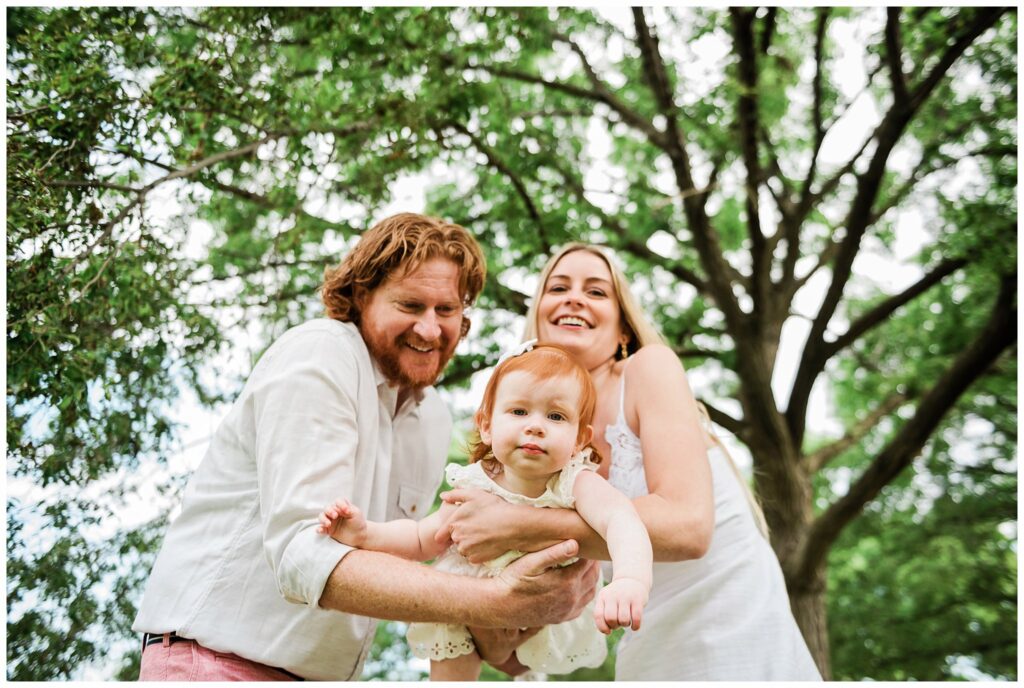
(517, 351)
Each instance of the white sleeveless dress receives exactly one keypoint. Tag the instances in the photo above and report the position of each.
(723, 617)
(556, 649)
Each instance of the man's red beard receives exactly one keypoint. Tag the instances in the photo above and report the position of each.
(387, 356)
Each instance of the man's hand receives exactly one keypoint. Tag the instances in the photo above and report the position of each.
(482, 528)
(620, 604)
(497, 646)
(512, 666)
(537, 594)
(344, 522)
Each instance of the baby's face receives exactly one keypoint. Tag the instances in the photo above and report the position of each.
(534, 426)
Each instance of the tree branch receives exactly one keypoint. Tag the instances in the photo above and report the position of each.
(628, 115)
(983, 20)
(251, 196)
(714, 263)
(628, 242)
(998, 335)
(508, 299)
(932, 160)
(86, 184)
(743, 44)
(818, 130)
(768, 30)
(894, 55)
(818, 459)
(654, 66)
(826, 256)
(809, 199)
(886, 135)
(783, 200)
(696, 352)
(882, 311)
(497, 163)
(736, 427)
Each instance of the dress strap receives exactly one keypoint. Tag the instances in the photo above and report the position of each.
(622, 395)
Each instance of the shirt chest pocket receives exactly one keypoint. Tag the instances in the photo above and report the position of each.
(413, 502)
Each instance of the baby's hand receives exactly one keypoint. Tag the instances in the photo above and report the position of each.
(620, 604)
(344, 522)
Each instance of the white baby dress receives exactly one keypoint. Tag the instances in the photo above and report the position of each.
(556, 649)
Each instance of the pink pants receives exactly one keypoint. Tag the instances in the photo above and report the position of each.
(190, 661)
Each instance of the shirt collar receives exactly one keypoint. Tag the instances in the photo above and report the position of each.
(389, 393)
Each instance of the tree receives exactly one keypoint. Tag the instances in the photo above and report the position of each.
(709, 174)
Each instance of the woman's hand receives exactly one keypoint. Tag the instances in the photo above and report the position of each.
(483, 527)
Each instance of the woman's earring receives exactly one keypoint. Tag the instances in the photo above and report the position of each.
(625, 351)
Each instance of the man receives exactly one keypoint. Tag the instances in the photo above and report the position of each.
(244, 588)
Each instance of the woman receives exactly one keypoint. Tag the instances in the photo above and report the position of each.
(718, 608)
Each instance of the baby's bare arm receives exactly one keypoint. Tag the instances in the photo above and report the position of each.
(402, 537)
(613, 516)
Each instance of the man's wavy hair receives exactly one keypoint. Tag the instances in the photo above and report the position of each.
(394, 247)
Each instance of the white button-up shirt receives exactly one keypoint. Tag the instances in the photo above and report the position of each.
(242, 567)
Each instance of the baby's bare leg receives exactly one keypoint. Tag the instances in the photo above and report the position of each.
(462, 668)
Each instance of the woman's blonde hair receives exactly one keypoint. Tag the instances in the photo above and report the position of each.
(641, 332)
(639, 329)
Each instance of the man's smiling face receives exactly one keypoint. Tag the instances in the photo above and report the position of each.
(411, 324)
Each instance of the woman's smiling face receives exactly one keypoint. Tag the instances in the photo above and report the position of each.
(580, 310)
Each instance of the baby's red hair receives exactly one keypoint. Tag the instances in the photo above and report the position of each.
(543, 362)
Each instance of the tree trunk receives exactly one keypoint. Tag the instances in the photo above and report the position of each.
(787, 499)
(808, 604)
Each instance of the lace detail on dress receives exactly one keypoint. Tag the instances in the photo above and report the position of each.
(551, 662)
(626, 448)
(557, 493)
(439, 641)
(556, 649)
(626, 472)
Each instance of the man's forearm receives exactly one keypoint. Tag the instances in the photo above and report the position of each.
(387, 587)
(535, 590)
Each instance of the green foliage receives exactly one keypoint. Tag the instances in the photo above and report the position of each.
(179, 178)
(923, 586)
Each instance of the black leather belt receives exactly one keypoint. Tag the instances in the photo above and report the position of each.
(158, 639)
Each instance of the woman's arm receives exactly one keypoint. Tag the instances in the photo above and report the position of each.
(679, 510)
(678, 513)
(485, 526)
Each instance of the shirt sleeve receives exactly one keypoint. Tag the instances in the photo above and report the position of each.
(306, 428)
(565, 481)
